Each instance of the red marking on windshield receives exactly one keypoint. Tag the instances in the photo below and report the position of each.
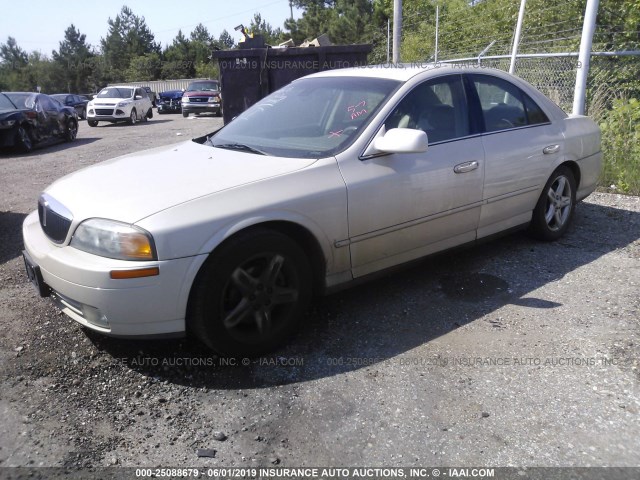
(357, 110)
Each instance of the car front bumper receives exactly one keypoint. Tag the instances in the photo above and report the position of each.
(169, 107)
(7, 135)
(81, 285)
(108, 113)
(193, 107)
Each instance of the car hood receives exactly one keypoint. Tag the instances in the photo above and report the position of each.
(176, 94)
(199, 93)
(135, 186)
(109, 101)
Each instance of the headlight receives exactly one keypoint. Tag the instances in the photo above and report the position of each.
(123, 104)
(8, 123)
(185, 99)
(212, 99)
(111, 239)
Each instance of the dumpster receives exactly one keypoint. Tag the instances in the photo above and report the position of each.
(249, 74)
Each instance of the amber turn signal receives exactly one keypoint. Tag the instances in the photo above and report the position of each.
(137, 273)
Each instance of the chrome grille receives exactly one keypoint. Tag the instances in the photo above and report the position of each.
(55, 219)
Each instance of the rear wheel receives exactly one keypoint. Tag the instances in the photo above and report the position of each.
(150, 113)
(250, 294)
(556, 206)
(23, 139)
(72, 130)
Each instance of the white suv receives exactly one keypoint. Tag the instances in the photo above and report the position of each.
(118, 104)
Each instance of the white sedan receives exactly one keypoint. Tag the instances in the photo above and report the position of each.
(334, 177)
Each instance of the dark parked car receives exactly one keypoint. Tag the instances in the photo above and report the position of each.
(170, 101)
(30, 118)
(76, 101)
(202, 96)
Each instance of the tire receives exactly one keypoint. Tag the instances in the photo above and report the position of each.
(150, 113)
(83, 114)
(133, 117)
(23, 139)
(250, 294)
(72, 131)
(92, 123)
(185, 114)
(556, 206)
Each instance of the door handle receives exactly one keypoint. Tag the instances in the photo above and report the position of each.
(551, 149)
(466, 167)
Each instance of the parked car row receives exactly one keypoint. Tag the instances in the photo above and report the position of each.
(27, 119)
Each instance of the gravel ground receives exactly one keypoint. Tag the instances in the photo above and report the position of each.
(511, 353)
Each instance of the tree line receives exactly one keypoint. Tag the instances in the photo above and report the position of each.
(129, 51)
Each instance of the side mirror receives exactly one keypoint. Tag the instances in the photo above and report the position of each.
(138, 97)
(402, 140)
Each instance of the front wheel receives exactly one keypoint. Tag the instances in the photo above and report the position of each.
(556, 206)
(92, 123)
(185, 114)
(133, 118)
(250, 294)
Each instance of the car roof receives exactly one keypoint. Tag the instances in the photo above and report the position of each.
(405, 71)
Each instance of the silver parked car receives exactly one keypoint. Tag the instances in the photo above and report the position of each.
(334, 177)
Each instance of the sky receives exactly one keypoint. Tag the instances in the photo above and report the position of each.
(40, 24)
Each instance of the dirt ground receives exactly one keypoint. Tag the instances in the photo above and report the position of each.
(511, 353)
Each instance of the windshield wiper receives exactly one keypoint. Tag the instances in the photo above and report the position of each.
(241, 147)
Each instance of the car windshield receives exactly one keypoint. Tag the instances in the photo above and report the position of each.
(309, 118)
(60, 97)
(22, 100)
(113, 92)
(5, 103)
(203, 87)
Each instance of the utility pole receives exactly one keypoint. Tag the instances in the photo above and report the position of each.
(584, 57)
(397, 29)
(435, 56)
(388, 40)
(516, 37)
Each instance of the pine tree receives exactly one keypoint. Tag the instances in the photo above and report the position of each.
(71, 61)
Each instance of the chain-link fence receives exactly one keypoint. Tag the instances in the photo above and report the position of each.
(548, 60)
(613, 89)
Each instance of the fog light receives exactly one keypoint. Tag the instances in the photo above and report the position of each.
(80, 311)
(95, 316)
